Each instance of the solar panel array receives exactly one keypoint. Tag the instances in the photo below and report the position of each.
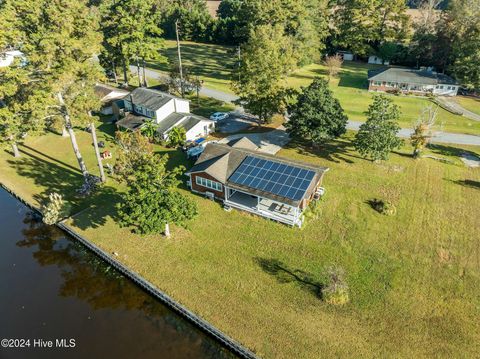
(273, 177)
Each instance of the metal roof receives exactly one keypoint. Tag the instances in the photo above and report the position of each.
(411, 76)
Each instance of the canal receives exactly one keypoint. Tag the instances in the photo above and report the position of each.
(54, 290)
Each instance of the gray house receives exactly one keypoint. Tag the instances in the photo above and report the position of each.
(166, 110)
(265, 185)
(410, 80)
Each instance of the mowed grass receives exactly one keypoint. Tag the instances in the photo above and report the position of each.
(414, 278)
(211, 63)
(470, 103)
(214, 63)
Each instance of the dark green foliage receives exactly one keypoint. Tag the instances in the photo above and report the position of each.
(361, 26)
(260, 81)
(194, 21)
(377, 137)
(152, 201)
(317, 115)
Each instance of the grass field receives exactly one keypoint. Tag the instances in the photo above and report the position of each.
(213, 63)
(469, 103)
(414, 278)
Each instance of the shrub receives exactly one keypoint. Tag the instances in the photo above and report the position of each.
(384, 207)
(336, 292)
(53, 209)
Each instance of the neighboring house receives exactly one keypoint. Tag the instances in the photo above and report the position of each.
(374, 59)
(410, 80)
(166, 110)
(108, 95)
(7, 58)
(262, 184)
(345, 55)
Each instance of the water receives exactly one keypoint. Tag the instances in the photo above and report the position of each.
(52, 288)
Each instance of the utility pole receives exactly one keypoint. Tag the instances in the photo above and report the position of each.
(239, 61)
(179, 60)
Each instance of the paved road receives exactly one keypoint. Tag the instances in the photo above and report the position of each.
(443, 137)
(450, 102)
(219, 95)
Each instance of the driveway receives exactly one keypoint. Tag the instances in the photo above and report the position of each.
(237, 121)
(269, 142)
(449, 102)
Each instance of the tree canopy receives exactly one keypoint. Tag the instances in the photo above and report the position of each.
(260, 80)
(152, 202)
(377, 137)
(316, 115)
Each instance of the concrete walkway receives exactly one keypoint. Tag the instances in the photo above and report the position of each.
(262, 140)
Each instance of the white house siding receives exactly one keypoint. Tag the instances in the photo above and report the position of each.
(181, 106)
(8, 57)
(445, 90)
(199, 130)
(377, 60)
(166, 110)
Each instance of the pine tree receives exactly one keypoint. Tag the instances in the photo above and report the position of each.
(377, 137)
(317, 115)
(131, 34)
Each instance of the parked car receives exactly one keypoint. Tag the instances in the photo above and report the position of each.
(219, 116)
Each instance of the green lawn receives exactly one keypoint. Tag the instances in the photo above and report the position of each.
(470, 103)
(414, 278)
(213, 63)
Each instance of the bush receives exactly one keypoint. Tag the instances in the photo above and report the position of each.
(336, 292)
(395, 92)
(384, 207)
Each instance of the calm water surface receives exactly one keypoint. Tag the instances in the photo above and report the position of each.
(52, 288)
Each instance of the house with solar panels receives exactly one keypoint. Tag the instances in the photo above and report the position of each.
(244, 178)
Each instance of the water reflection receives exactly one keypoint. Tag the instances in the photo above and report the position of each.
(93, 302)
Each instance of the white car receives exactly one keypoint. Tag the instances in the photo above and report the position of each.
(218, 116)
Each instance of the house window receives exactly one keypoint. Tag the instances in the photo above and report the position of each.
(441, 87)
(449, 88)
(377, 83)
(208, 183)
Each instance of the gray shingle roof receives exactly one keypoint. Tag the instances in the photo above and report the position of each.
(411, 76)
(220, 161)
(151, 99)
(170, 121)
(243, 142)
(131, 121)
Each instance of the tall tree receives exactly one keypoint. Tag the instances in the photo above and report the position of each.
(304, 22)
(260, 81)
(62, 43)
(463, 17)
(317, 115)
(131, 34)
(23, 108)
(377, 137)
(152, 202)
(362, 25)
(195, 22)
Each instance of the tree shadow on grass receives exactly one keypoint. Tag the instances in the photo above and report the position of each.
(450, 151)
(335, 151)
(284, 274)
(468, 183)
(53, 177)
